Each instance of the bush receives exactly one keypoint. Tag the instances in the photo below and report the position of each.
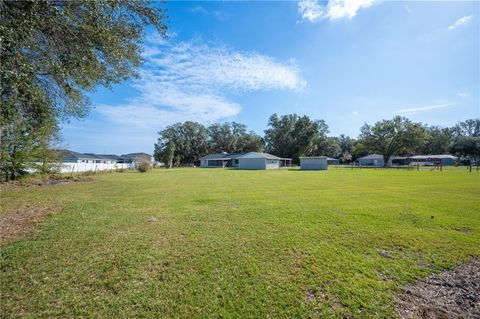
(143, 165)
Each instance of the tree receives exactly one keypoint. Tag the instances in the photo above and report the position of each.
(468, 146)
(232, 138)
(346, 145)
(169, 154)
(438, 140)
(292, 136)
(398, 136)
(190, 140)
(53, 52)
(468, 128)
(330, 147)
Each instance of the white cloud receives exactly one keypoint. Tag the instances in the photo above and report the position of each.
(355, 112)
(463, 95)
(459, 22)
(198, 9)
(191, 80)
(415, 110)
(312, 10)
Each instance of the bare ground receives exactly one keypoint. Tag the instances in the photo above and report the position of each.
(451, 294)
(15, 225)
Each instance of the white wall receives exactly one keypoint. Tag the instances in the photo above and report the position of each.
(272, 164)
(84, 167)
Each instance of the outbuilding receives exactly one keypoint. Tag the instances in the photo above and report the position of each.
(333, 161)
(255, 160)
(314, 163)
(374, 160)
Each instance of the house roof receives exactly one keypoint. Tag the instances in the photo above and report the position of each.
(104, 156)
(315, 157)
(372, 156)
(425, 157)
(135, 155)
(226, 157)
(261, 155)
(72, 154)
(332, 159)
(215, 156)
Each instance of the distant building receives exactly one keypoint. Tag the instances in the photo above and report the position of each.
(314, 163)
(333, 161)
(82, 162)
(374, 160)
(430, 160)
(136, 157)
(251, 160)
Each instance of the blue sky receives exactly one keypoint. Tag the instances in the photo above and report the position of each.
(347, 62)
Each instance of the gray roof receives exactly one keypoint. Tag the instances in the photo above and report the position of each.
(135, 155)
(226, 157)
(260, 155)
(72, 154)
(372, 156)
(425, 157)
(104, 156)
(215, 156)
(315, 157)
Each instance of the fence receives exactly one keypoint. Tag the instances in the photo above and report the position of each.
(85, 167)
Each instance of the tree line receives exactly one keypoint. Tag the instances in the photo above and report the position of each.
(294, 136)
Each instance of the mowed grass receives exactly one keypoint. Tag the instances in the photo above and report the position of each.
(206, 243)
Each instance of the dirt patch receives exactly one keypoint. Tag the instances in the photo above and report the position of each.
(19, 224)
(451, 294)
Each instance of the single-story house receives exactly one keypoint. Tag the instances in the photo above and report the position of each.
(220, 160)
(251, 160)
(374, 160)
(314, 163)
(445, 160)
(333, 161)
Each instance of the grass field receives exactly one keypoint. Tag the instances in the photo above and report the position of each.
(237, 244)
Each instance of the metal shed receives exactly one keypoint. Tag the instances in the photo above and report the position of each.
(313, 163)
(374, 160)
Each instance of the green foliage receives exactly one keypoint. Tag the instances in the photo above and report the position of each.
(292, 136)
(329, 146)
(52, 52)
(469, 127)
(193, 140)
(190, 140)
(232, 138)
(398, 136)
(467, 146)
(438, 140)
(197, 243)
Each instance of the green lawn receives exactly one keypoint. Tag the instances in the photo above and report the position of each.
(240, 244)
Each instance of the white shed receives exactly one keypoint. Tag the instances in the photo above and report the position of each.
(313, 163)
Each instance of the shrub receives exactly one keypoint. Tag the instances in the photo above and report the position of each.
(143, 165)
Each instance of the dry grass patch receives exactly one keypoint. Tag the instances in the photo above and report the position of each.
(19, 224)
(450, 294)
